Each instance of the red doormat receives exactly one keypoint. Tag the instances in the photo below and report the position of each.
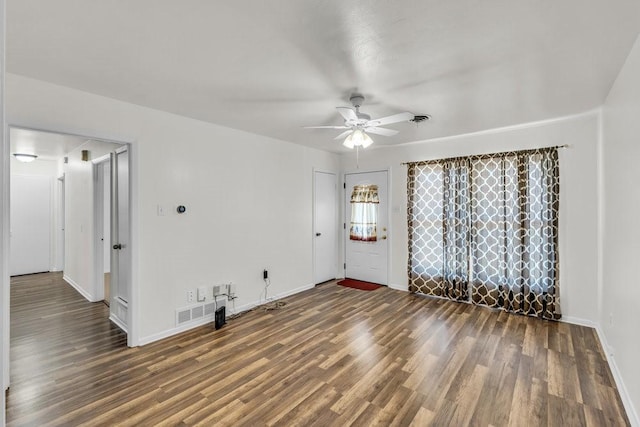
(359, 284)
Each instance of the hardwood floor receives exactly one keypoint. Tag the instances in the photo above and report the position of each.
(331, 356)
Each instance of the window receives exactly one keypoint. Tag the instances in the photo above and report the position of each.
(364, 213)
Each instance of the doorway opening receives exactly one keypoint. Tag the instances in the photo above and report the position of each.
(62, 178)
(112, 256)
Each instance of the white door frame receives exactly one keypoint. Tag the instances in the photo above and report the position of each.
(4, 229)
(313, 221)
(133, 312)
(389, 218)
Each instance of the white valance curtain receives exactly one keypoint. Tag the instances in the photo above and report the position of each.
(364, 213)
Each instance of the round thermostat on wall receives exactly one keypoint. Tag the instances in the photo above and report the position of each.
(181, 209)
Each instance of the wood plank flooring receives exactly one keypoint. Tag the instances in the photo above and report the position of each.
(332, 356)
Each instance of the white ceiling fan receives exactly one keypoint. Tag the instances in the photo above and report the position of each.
(359, 124)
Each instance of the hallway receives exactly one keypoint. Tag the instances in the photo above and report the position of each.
(56, 336)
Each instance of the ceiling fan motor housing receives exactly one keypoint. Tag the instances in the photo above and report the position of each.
(363, 117)
(356, 100)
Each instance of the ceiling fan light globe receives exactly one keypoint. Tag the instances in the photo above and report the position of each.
(357, 138)
(348, 141)
(366, 141)
(361, 139)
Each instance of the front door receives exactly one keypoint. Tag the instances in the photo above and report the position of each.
(366, 226)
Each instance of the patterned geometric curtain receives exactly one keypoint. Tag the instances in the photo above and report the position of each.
(514, 239)
(439, 228)
(488, 223)
(364, 213)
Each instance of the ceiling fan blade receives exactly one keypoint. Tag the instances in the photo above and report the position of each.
(396, 118)
(343, 134)
(380, 131)
(347, 113)
(326, 127)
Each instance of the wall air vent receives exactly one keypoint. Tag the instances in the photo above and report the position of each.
(183, 316)
(420, 118)
(197, 312)
(209, 309)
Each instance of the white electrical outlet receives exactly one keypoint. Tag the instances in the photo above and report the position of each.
(191, 296)
(216, 290)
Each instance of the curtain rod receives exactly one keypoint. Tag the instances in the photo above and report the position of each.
(488, 154)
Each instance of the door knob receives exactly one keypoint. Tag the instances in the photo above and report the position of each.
(318, 234)
(383, 238)
(117, 246)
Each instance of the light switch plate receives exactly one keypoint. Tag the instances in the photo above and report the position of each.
(202, 293)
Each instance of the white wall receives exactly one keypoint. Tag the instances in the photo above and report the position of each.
(48, 168)
(79, 218)
(248, 197)
(578, 203)
(620, 316)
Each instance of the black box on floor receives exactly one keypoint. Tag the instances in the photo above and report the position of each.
(220, 317)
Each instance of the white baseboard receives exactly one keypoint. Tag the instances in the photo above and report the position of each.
(609, 354)
(622, 389)
(118, 323)
(579, 321)
(208, 319)
(249, 306)
(78, 288)
(179, 329)
(398, 287)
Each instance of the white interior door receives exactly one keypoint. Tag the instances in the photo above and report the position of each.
(61, 221)
(324, 226)
(367, 260)
(102, 218)
(120, 238)
(106, 216)
(30, 229)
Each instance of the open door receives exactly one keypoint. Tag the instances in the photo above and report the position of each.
(120, 239)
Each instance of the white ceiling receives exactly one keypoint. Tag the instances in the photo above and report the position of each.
(272, 67)
(46, 145)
